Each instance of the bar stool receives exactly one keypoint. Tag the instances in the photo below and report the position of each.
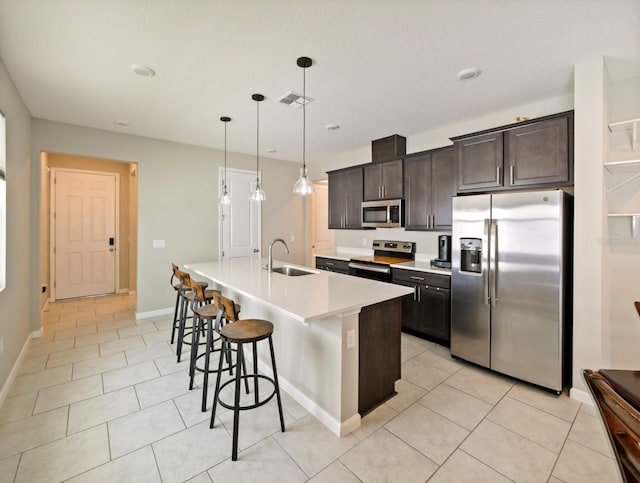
(185, 333)
(213, 316)
(180, 290)
(248, 331)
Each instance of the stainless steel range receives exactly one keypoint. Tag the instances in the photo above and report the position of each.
(385, 253)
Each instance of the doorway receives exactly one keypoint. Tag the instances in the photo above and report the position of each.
(322, 239)
(124, 243)
(241, 220)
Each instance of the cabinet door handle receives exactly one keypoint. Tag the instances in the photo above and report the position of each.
(384, 191)
(511, 174)
(433, 221)
(417, 278)
(497, 175)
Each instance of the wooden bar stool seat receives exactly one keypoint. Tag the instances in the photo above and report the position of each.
(248, 331)
(181, 290)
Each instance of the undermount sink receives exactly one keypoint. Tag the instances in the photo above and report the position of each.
(292, 271)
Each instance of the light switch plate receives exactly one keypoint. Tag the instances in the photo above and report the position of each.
(351, 338)
(159, 243)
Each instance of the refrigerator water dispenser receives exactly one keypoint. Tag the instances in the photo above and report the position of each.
(471, 255)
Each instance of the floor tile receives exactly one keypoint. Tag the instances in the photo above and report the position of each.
(167, 364)
(128, 376)
(335, 473)
(74, 332)
(137, 329)
(18, 407)
(147, 353)
(38, 380)
(97, 365)
(139, 429)
(264, 462)
(102, 409)
(589, 431)
(408, 394)
(8, 467)
(201, 478)
(536, 425)
(411, 347)
(561, 406)
(456, 406)
(73, 355)
(164, 324)
(509, 453)
(190, 405)
(422, 374)
(158, 337)
(97, 338)
(374, 421)
(49, 347)
(578, 464)
(115, 324)
(256, 424)
(428, 432)
(68, 393)
(31, 432)
(66, 457)
(139, 466)
(162, 388)
(462, 468)
(312, 446)
(384, 457)
(96, 319)
(291, 406)
(33, 364)
(121, 345)
(489, 387)
(190, 452)
(446, 364)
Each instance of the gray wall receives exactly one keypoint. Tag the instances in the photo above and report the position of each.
(15, 324)
(177, 200)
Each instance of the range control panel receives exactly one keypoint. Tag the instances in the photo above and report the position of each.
(394, 246)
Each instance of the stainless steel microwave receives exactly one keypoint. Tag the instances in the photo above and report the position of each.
(383, 214)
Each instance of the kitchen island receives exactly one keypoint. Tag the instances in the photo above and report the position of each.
(336, 337)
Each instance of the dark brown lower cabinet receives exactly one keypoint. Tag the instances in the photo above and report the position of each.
(379, 356)
(427, 312)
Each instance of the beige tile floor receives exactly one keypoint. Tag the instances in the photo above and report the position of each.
(100, 398)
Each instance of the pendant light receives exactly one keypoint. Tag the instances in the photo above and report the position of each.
(258, 193)
(303, 185)
(225, 199)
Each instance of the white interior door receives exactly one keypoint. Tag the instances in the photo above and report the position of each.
(241, 220)
(84, 231)
(321, 237)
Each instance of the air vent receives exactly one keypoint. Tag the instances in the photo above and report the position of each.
(294, 99)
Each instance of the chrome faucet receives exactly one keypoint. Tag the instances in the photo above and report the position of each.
(270, 261)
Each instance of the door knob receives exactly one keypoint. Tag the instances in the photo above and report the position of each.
(256, 250)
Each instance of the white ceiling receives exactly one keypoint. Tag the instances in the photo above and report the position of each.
(380, 66)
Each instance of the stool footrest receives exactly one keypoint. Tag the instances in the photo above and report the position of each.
(254, 405)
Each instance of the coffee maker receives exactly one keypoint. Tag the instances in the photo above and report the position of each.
(444, 252)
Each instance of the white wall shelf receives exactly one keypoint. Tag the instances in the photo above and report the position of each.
(630, 167)
(630, 125)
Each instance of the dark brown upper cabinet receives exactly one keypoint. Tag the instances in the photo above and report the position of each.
(383, 181)
(429, 184)
(345, 199)
(534, 153)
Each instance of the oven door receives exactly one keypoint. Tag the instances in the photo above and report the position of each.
(373, 271)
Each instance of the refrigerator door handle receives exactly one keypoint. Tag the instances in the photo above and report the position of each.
(493, 276)
(485, 262)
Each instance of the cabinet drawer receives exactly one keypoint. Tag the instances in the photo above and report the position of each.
(421, 278)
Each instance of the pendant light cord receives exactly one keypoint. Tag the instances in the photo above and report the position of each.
(304, 119)
(257, 143)
(225, 158)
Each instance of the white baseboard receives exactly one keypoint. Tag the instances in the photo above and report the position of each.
(14, 370)
(580, 395)
(154, 313)
(338, 428)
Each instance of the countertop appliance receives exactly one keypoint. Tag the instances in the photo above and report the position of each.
(385, 253)
(510, 284)
(444, 252)
(383, 214)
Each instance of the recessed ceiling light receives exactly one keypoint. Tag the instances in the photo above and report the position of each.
(332, 127)
(142, 70)
(271, 150)
(121, 123)
(468, 74)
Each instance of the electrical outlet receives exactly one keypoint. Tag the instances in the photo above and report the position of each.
(351, 338)
(159, 243)
(293, 238)
(2, 345)
(364, 242)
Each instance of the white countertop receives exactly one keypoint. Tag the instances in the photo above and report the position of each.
(305, 298)
(422, 266)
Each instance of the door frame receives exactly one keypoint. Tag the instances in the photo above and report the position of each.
(221, 208)
(52, 225)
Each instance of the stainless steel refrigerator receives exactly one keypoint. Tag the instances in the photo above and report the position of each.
(509, 283)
